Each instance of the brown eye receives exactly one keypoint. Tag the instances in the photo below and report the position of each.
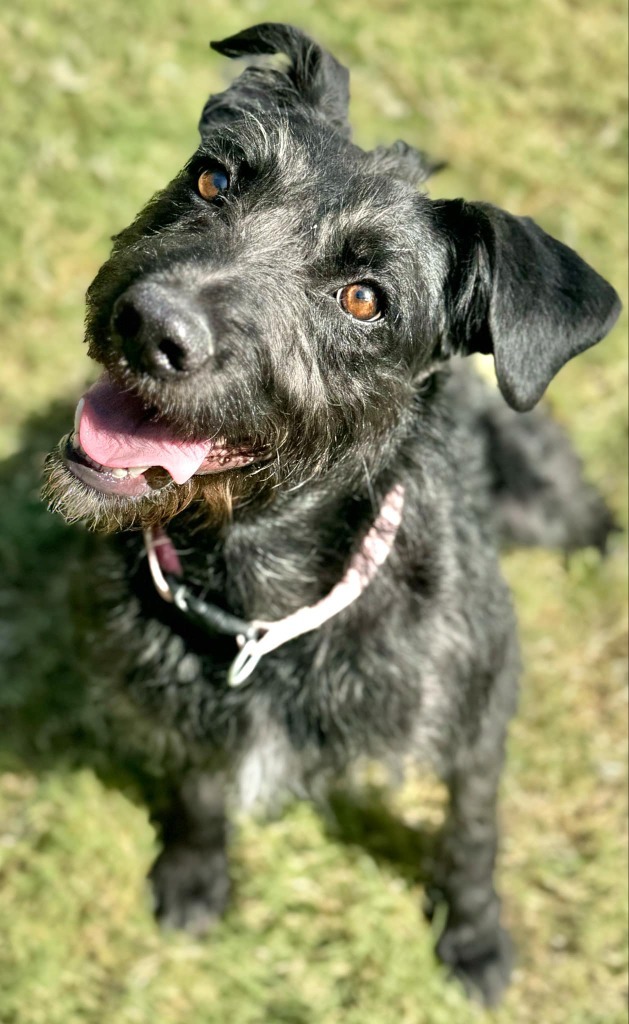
(361, 301)
(212, 183)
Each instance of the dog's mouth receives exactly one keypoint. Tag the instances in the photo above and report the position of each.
(119, 447)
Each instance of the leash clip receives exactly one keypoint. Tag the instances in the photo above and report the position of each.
(248, 657)
(258, 638)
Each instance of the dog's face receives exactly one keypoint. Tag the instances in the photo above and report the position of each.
(277, 295)
(268, 315)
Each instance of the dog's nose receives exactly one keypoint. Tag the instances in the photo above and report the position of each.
(161, 330)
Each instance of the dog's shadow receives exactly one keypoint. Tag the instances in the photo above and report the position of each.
(47, 711)
(49, 718)
(364, 819)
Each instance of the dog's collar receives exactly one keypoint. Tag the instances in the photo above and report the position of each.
(258, 637)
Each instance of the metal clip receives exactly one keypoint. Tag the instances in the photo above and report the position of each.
(245, 661)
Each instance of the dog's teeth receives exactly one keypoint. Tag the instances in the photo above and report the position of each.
(77, 415)
(138, 470)
(119, 474)
(76, 444)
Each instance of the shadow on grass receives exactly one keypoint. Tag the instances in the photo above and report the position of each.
(46, 707)
(366, 821)
(50, 719)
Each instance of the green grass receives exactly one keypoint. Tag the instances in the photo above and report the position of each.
(526, 101)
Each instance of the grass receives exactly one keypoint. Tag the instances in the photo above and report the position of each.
(526, 101)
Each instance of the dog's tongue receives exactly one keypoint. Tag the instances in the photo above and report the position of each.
(115, 430)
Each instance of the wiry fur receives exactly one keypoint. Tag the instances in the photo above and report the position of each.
(425, 663)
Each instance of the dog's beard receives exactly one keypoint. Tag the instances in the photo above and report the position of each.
(107, 489)
(84, 488)
(213, 498)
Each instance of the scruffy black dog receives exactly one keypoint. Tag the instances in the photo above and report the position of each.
(321, 496)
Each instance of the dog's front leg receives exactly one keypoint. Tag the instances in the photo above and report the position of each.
(190, 878)
(473, 943)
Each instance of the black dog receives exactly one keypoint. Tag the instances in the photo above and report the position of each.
(275, 328)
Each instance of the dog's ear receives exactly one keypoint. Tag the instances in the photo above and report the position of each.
(313, 77)
(518, 293)
(405, 162)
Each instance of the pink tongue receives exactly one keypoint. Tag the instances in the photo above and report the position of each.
(114, 430)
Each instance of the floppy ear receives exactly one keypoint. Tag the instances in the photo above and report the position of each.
(517, 292)
(405, 162)
(313, 77)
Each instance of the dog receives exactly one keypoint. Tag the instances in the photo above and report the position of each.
(308, 486)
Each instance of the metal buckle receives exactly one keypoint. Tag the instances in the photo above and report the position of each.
(247, 659)
(211, 618)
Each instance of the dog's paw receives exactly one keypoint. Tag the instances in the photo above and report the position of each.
(483, 964)
(191, 887)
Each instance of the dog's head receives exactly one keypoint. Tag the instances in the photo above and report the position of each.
(271, 312)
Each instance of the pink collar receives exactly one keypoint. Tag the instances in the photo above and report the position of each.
(268, 636)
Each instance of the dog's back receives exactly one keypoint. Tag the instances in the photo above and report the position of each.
(539, 495)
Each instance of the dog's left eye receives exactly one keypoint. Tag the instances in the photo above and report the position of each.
(212, 183)
(361, 301)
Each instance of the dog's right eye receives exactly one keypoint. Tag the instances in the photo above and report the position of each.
(211, 184)
(361, 301)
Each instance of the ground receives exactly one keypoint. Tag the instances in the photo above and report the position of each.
(525, 100)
